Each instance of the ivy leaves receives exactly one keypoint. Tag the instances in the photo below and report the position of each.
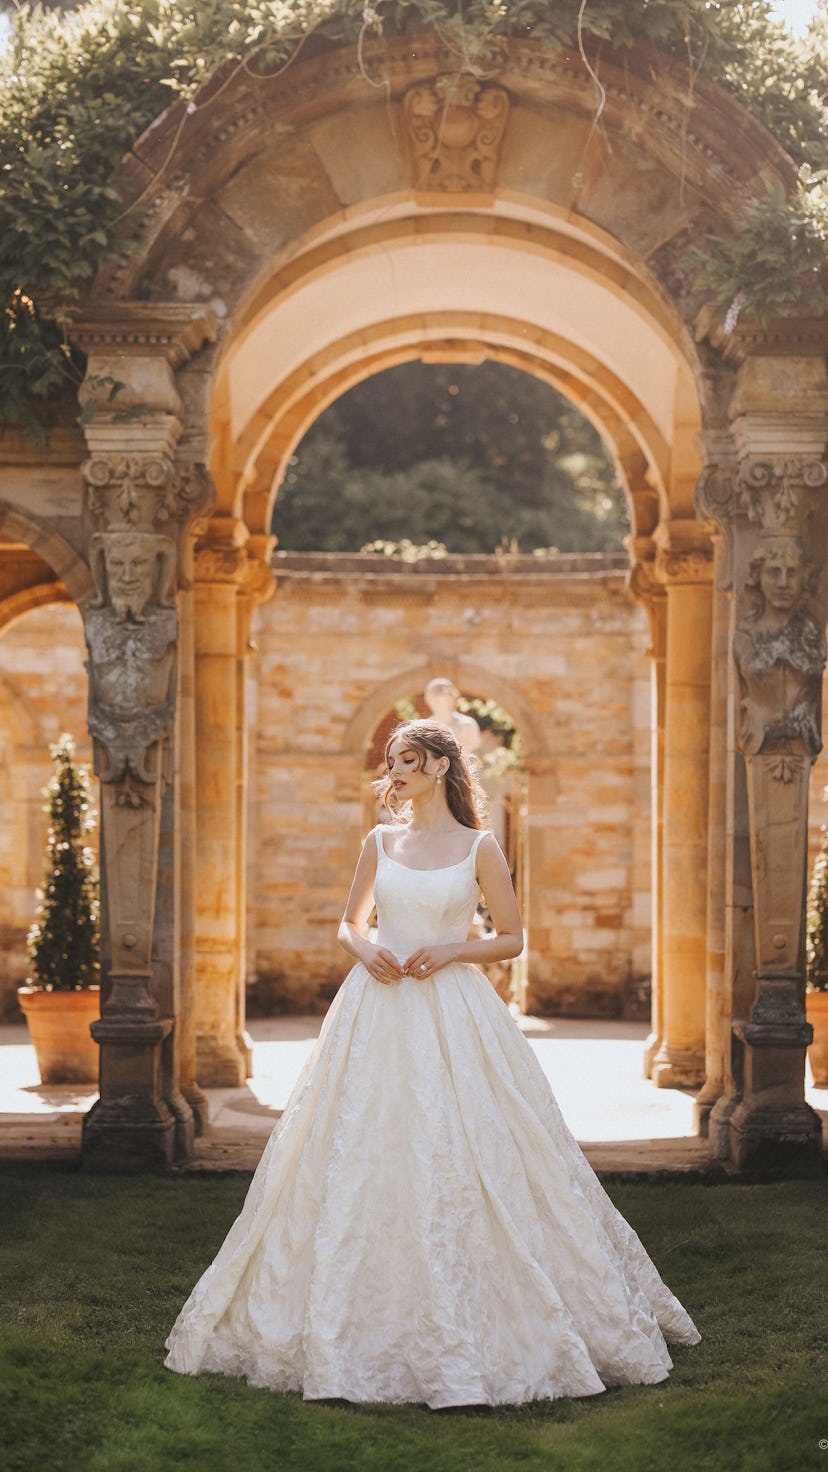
(77, 89)
(775, 259)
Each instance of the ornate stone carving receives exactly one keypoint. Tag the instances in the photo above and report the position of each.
(780, 650)
(772, 494)
(132, 686)
(139, 504)
(717, 493)
(132, 569)
(455, 125)
(684, 552)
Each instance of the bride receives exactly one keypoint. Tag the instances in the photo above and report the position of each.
(422, 1226)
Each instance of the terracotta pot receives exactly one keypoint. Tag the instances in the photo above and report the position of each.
(59, 1029)
(816, 1010)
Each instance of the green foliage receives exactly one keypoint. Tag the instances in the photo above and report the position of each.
(84, 1313)
(816, 925)
(63, 941)
(777, 257)
(490, 717)
(406, 550)
(468, 458)
(77, 89)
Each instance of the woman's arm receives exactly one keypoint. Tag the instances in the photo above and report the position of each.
(496, 883)
(381, 963)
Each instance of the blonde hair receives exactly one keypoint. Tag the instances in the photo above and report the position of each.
(464, 794)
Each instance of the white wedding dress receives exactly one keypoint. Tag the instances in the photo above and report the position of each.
(422, 1226)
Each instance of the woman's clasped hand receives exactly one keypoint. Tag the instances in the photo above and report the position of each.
(422, 964)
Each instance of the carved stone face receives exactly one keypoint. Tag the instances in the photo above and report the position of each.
(782, 574)
(130, 572)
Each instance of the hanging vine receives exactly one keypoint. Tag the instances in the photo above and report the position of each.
(76, 90)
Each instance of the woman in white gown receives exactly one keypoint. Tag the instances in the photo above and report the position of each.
(422, 1226)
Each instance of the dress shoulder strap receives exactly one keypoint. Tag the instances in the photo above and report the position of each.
(379, 842)
(475, 846)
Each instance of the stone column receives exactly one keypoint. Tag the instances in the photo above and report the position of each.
(221, 1056)
(717, 1007)
(684, 565)
(643, 585)
(229, 580)
(770, 503)
(542, 791)
(779, 653)
(140, 502)
(188, 847)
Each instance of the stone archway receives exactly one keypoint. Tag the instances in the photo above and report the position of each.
(311, 234)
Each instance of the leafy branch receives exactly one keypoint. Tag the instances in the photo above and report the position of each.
(77, 89)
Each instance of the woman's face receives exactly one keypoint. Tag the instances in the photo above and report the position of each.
(412, 772)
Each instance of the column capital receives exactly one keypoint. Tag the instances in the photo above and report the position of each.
(684, 553)
(129, 399)
(221, 552)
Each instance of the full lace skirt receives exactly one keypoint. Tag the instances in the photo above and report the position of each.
(423, 1227)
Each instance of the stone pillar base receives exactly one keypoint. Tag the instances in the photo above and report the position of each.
(718, 1125)
(765, 1138)
(130, 1128)
(245, 1043)
(677, 1068)
(651, 1048)
(703, 1107)
(185, 1125)
(199, 1103)
(772, 1128)
(220, 1064)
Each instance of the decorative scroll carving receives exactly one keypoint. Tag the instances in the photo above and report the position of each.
(772, 495)
(455, 125)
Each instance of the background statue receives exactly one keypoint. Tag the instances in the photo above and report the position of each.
(441, 697)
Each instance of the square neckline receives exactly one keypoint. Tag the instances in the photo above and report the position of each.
(441, 868)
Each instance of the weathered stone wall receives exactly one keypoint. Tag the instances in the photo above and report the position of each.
(339, 644)
(42, 693)
(560, 644)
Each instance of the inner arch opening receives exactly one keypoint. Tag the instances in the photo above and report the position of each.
(457, 458)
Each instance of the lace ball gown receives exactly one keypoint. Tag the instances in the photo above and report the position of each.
(422, 1226)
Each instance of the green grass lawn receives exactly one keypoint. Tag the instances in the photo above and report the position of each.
(95, 1268)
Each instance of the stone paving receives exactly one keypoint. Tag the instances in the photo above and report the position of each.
(625, 1125)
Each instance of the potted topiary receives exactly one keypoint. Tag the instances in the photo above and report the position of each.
(816, 951)
(61, 997)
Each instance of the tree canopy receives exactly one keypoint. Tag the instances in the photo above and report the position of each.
(473, 457)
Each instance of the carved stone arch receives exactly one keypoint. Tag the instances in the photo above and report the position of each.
(640, 452)
(58, 573)
(43, 595)
(363, 723)
(20, 710)
(691, 155)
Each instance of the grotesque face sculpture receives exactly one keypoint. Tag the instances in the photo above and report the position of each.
(131, 566)
(779, 572)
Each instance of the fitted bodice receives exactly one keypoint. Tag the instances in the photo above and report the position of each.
(418, 907)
